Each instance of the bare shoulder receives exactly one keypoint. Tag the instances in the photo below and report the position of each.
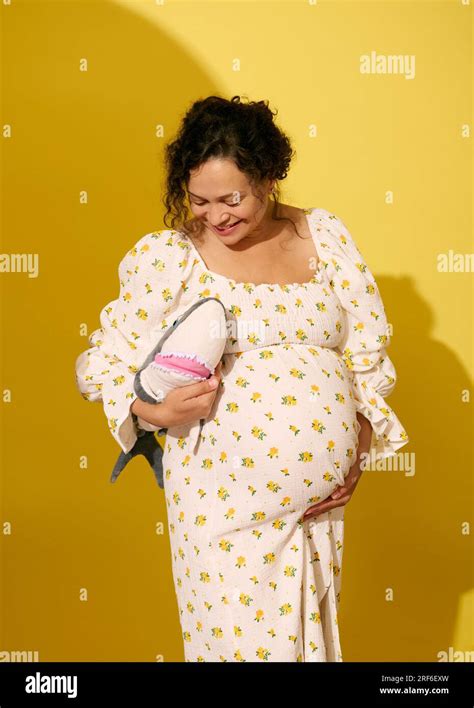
(299, 217)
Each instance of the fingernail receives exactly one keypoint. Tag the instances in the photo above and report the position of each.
(213, 382)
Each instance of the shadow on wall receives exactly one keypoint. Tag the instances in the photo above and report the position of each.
(90, 136)
(403, 531)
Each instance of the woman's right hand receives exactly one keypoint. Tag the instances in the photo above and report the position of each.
(185, 404)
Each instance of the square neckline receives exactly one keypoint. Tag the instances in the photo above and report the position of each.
(315, 279)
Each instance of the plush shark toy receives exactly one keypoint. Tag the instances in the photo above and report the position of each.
(185, 354)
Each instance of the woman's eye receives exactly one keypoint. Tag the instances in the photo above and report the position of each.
(203, 204)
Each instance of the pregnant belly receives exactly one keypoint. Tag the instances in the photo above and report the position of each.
(281, 436)
(283, 433)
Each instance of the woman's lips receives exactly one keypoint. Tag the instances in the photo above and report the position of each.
(228, 229)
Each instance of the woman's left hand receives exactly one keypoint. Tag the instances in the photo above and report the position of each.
(344, 492)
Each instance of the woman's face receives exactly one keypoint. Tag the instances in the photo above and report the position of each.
(220, 195)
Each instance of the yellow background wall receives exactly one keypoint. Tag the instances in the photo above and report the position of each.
(391, 157)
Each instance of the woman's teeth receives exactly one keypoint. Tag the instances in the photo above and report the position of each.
(225, 228)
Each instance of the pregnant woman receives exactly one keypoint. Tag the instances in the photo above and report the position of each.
(256, 495)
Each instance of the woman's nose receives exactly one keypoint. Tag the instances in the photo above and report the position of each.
(217, 217)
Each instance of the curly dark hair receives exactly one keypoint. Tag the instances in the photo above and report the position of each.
(217, 127)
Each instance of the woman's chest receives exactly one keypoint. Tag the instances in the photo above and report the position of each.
(292, 260)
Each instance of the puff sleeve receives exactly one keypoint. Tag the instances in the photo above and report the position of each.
(130, 327)
(366, 336)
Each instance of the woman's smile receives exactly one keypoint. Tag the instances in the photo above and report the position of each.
(227, 229)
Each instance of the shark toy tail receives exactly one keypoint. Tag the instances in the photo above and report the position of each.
(148, 446)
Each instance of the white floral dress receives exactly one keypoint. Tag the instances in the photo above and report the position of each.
(254, 582)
